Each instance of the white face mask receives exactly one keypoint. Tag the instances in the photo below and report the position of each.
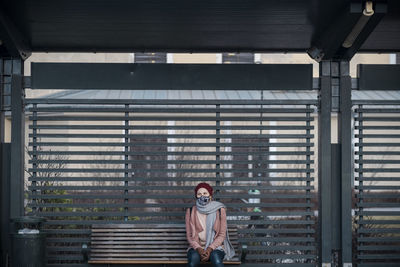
(203, 200)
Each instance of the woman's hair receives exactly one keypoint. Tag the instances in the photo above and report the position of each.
(204, 185)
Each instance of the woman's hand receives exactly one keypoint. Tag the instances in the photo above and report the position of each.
(206, 255)
(200, 250)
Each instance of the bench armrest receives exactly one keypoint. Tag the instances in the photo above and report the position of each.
(244, 253)
(85, 252)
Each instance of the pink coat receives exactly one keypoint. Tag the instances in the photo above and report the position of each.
(193, 228)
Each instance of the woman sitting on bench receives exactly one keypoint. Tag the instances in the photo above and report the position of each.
(206, 230)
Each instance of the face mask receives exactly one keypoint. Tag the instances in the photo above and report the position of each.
(203, 200)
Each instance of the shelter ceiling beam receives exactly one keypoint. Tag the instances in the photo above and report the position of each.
(12, 39)
(344, 36)
(171, 76)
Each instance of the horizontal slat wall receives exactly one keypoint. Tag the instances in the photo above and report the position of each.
(138, 162)
(377, 131)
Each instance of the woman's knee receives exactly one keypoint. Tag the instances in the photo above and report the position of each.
(217, 258)
(193, 258)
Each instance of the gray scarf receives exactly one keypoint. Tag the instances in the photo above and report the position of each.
(211, 211)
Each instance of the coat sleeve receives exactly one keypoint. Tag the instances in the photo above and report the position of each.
(219, 239)
(189, 237)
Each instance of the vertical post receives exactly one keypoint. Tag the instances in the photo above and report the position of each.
(12, 155)
(360, 177)
(17, 147)
(34, 157)
(17, 140)
(126, 158)
(5, 158)
(218, 149)
(345, 139)
(308, 175)
(324, 165)
(335, 182)
(6, 71)
(2, 119)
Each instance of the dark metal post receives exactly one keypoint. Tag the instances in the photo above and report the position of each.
(218, 150)
(5, 158)
(17, 146)
(2, 120)
(6, 70)
(308, 166)
(126, 165)
(324, 164)
(345, 139)
(11, 203)
(35, 157)
(335, 169)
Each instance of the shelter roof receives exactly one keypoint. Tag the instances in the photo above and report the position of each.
(191, 26)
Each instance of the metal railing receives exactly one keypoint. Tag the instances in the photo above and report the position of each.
(377, 215)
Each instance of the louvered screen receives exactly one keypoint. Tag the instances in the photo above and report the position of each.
(377, 135)
(137, 161)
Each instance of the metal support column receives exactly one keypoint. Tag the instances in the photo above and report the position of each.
(5, 152)
(345, 140)
(335, 165)
(6, 70)
(2, 110)
(17, 146)
(11, 202)
(324, 165)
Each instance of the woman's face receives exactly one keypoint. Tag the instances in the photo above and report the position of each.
(202, 192)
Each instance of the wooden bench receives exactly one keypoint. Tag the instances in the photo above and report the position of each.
(144, 244)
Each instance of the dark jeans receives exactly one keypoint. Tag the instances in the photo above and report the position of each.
(216, 258)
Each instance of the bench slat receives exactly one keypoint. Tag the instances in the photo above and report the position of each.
(139, 242)
(154, 258)
(158, 261)
(163, 235)
(138, 234)
(133, 225)
(146, 226)
(138, 238)
(145, 238)
(184, 246)
(122, 251)
(148, 242)
(139, 255)
(134, 230)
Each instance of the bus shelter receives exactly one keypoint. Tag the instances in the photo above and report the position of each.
(126, 142)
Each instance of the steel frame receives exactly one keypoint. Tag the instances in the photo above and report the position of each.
(335, 95)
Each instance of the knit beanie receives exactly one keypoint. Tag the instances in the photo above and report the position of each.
(204, 185)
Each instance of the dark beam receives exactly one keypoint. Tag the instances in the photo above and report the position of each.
(12, 39)
(380, 10)
(171, 76)
(350, 28)
(378, 77)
